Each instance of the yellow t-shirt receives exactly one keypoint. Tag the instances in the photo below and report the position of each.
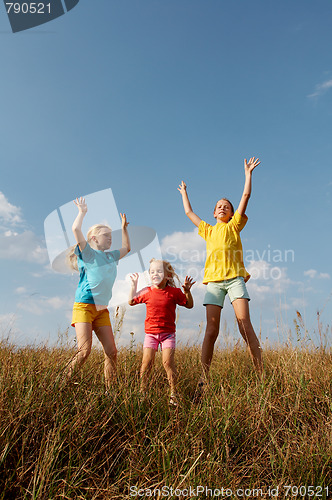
(224, 255)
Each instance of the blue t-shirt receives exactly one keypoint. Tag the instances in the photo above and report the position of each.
(97, 275)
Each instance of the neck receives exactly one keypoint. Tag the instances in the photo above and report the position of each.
(95, 246)
(161, 285)
(221, 221)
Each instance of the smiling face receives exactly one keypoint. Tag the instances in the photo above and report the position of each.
(223, 211)
(157, 274)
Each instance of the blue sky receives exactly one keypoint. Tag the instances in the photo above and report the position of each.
(136, 96)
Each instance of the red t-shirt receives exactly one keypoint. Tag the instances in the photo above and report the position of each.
(160, 307)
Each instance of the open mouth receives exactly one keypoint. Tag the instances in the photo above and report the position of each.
(157, 279)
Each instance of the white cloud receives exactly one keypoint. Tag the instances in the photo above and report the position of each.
(57, 302)
(187, 248)
(321, 88)
(120, 292)
(274, 277)
(299, 303)
(8, 212)
(311, 273)
(25, 246)
(39, 305)
(14, 245)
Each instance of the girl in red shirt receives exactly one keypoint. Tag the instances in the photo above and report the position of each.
(161, 299)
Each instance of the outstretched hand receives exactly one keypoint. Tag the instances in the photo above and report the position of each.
(81, 205)
(134, 279)
(182, 187)
(188, 283)
(251, 164)
(124, 222)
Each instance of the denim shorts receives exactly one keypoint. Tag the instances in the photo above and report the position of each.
(216, 291)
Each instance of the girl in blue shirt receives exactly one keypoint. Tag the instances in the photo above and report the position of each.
(98, 268)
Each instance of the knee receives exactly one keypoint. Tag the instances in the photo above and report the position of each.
(111, 353)
(146, 365)
(168, 365)
(211, 333)
(247, 331)
(84, 353)
(244, 324)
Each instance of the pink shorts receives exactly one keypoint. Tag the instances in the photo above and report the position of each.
(166, 340)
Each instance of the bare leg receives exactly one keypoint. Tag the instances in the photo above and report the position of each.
(169, 365)
(84, 343)
(211, 333)
(147, 363)
(106, 338)
(241, 309)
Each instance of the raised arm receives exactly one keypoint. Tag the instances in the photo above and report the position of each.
(186, 205)
(248, 168)
(188, 283)
(133, 288)
(125, 236)
(77, 225)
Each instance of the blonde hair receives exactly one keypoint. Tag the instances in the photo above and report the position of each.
(71, 257)
(169, 272)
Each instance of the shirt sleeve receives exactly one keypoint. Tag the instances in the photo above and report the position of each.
(181, 299)
(238, 221)
(86, 254)
(141, 296)
(203, 229)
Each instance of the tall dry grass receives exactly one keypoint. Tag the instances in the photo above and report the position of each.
(75, 442)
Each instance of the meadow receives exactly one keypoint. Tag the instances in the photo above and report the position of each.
(245, 439)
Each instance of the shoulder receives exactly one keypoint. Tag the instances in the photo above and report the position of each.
(145, 292)
(175, 292)
(204, 228)
(84, 254)
(238, 220)
(143, 295)
(238, 217)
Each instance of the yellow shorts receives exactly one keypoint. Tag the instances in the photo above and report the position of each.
(87, 313)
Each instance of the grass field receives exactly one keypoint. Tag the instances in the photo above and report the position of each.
(245, 439)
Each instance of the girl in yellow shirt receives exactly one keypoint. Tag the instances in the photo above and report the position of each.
(224, 269)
